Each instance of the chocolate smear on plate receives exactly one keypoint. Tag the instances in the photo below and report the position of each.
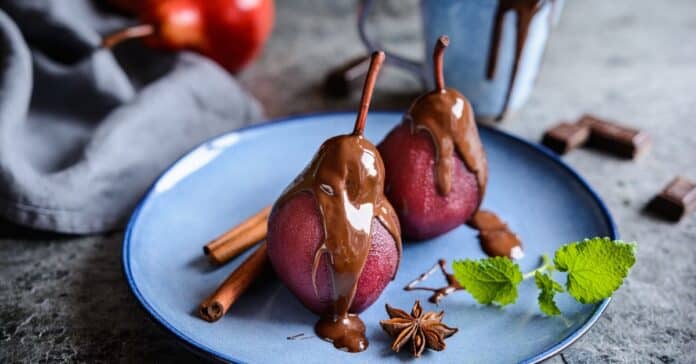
(496, 238)
(438, 293)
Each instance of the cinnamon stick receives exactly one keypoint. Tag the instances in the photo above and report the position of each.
(215, 306)
(238, 239)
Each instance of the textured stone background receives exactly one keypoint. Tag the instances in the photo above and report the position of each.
(64, 299)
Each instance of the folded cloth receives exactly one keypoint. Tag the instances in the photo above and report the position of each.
(84, 131)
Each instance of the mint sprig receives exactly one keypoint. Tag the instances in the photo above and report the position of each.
(595, 269)
(492, 280)
(548, 288)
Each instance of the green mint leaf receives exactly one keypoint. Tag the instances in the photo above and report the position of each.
(489, 280)
(596, 267)
(548, 288)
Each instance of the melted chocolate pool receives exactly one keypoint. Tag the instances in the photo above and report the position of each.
(496, 238)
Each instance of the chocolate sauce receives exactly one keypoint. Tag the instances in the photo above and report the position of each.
(448, 117)
(524, 11)
(346, 177)
(438, 293)
(346, 331)
(496, 238)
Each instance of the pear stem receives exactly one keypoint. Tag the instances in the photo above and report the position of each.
(438, 56)
(136, 31)
(376, 60)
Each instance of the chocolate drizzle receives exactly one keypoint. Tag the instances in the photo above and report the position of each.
(438, 293)
(496, 238)
(346, 177)
(448, 117)
(525, 11)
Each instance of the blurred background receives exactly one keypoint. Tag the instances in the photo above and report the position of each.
(63, 297)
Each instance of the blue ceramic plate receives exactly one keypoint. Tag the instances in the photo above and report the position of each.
(231, 177)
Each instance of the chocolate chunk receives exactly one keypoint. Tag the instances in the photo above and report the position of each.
(565, 137)
(614, 138)
(677, 200)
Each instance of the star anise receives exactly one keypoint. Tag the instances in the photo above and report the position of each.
(422, 330)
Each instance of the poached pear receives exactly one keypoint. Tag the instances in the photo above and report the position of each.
(436, 169)
(333, 237)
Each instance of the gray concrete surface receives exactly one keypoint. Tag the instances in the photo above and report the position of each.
(64, 299)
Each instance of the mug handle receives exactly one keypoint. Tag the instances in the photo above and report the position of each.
(414, 67)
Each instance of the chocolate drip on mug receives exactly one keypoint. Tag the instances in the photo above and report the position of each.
(449, 119)
(525, 11)
(496, 238)
(346, 177)
(438, 293)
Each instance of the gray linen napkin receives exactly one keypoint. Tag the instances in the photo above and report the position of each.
(83, 133)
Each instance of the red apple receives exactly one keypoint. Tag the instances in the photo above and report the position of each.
(230, 32)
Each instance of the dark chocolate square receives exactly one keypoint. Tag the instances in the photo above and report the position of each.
(676, 200)
(565, 137)
(615, 138)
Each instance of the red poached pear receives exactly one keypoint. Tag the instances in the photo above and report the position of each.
(295, 232)
(333, 237)
(229, 32)
(436, 169)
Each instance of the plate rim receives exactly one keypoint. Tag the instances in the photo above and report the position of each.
(205, 351)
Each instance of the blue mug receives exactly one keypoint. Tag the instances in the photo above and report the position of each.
(481, 61)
